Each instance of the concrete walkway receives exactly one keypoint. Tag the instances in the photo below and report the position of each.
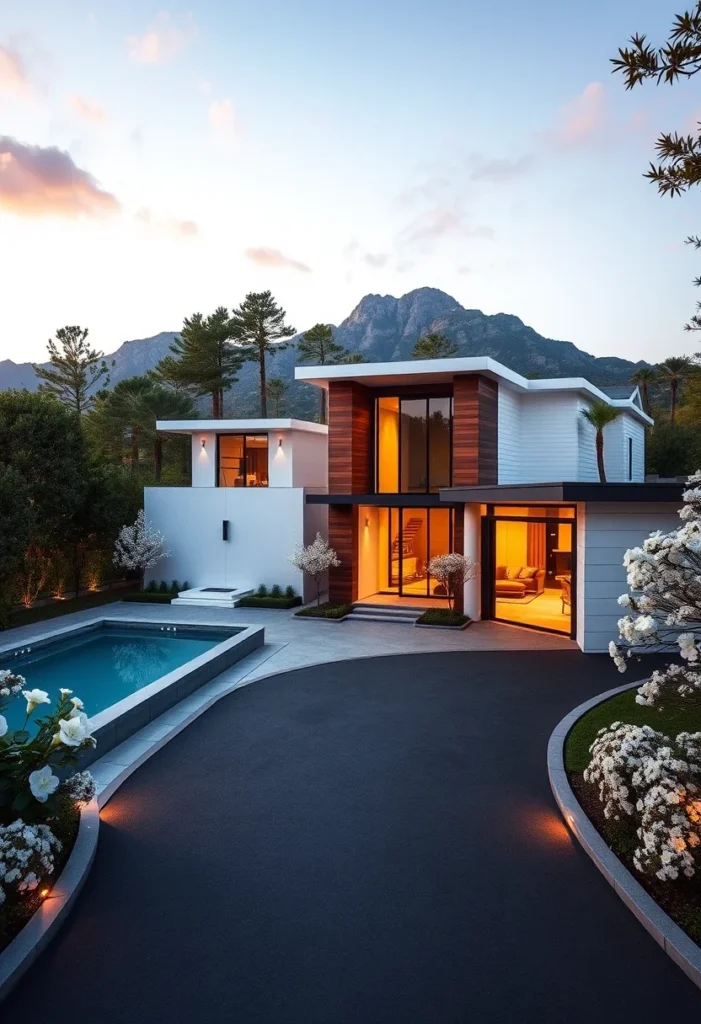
(371, 842)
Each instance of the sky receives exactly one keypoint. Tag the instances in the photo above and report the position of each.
(156, 162)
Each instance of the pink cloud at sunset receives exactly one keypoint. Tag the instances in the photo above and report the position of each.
(38, 181)
(274, 258)
(13, 75)
(583, 117)
(92, 112)
(169, 225)
(162, 41)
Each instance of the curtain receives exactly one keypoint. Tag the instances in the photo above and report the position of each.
(535, 545)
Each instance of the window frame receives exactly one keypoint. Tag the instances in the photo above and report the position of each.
(425, 397)
(244, 435)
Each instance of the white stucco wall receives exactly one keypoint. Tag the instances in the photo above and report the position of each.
(604, 532)
(472, 594)
(265, 524)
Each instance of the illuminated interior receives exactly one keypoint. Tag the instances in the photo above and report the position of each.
(533, 568)
(243, 460)
(413, 444)
(395, 547)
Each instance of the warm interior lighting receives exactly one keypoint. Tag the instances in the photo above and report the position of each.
(44, 893)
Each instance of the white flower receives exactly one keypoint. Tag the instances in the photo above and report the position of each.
(3, 725)
(43, 783)
(64, 692)
(34, 698)
(81, 787)
(139, 546)
(77, 702)
(73, 731)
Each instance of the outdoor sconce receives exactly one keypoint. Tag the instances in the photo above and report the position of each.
(225, 529)
(204, 442)
(367, 522)
(279, 442)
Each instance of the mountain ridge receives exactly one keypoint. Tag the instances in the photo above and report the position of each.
(383, 328)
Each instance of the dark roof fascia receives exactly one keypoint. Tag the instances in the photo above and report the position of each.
(565, 492)
(385, 500)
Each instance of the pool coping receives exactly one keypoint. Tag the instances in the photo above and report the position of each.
(666, 932)
(118, 722)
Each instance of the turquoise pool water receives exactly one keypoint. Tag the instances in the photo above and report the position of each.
(105, 665)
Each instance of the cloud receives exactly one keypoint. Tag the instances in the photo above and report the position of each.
(583, 117)
(38, 181)
(13, 74)
(168, 225)
(499, 169)
(163, 39)
(426, 191)
(92, 112)
(274, 258)
(442, 222)
(376, 259)
(222, 118)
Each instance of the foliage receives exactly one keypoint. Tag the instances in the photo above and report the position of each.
(452, 572)
(599, 415)
(258, 328)
(276, 389)
(75, 369)
(442, 617)
(14, 533)
(26, 855)
(679, 155)
(317, 346)
(641, 773)
(148, 597)
(645, 378)
(664, 576)
(140, 546)
(326, 611)
(204, 360)
(434, 346)
(315, 560)
(353, 357)
(28, 785)
(256, 601)
(290, 591)
(674, 371)
(262, 590)
(673, 451)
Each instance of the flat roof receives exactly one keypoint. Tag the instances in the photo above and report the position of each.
(567, 492)
(230, 426)
(442, 371)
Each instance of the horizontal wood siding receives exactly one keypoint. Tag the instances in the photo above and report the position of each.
(343, 538)
(475, 441)
(351, 440)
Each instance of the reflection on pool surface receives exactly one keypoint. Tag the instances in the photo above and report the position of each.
(106, 664)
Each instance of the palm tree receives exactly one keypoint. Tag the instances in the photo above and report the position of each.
(434, 346)
(674, 371)
(599, 415)
(645, 378)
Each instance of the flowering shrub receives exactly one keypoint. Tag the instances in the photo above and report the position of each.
(139, 546)
(26, 856)
(315, 560)
(664, 606)
(452, 572)
(643, 774)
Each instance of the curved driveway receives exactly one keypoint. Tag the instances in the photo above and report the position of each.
(366, 842)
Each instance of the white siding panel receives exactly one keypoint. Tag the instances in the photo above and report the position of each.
(509, 436)
(609, 530)
(587, 468)
(548, 438)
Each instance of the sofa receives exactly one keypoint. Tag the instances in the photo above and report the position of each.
(518, 581)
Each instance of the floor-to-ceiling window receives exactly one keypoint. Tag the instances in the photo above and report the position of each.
(396, 546)
(413, 444)
(532, 566)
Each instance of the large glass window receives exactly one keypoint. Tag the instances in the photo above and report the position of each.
(243, 460)
(414, 442)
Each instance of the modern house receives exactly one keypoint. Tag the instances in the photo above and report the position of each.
(423, 458)
(246, 510)
(427, 457)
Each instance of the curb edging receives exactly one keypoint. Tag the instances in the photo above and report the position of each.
(666, 933)
(26, 946)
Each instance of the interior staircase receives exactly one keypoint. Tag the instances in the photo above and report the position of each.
(399, 615)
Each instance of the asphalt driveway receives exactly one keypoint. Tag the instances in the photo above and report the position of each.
(366, 842)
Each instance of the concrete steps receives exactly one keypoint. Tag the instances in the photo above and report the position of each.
(398, 615)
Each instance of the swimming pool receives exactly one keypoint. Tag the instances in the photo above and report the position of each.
(126, 673)
(106, 664)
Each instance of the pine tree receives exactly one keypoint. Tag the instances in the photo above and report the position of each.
(317, 346)
(75, 369)
(204, 360)
(434, 346)
(258, 327)
(276, 389)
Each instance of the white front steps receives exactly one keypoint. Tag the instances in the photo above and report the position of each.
(402, 615)
(214, 597)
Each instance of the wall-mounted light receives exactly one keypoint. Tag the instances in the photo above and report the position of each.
(279, 442)
(204, 442)
(367, 522)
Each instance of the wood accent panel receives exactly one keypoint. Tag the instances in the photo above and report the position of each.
(343, 538)
(351, 438)
(475, 453)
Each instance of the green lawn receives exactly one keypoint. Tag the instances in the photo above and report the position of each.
(622, 708)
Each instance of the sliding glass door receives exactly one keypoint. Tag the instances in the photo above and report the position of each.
(410, 538)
